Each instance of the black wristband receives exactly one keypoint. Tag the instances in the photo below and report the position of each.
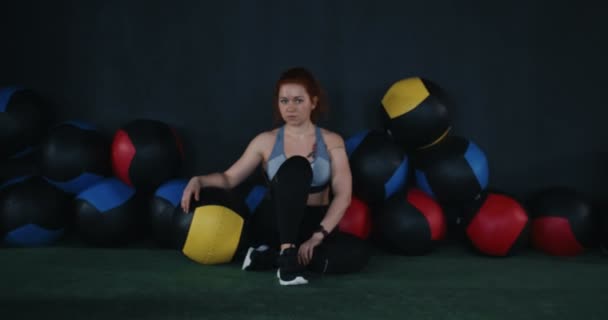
(323, 231)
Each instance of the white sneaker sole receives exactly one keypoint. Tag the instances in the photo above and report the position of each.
(247, 261)
(298, 280)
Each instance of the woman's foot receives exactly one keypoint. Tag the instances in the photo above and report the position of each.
(290, 272)
(260, 258)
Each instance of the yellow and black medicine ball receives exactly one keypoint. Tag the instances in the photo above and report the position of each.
(211, 233)
(415, 113)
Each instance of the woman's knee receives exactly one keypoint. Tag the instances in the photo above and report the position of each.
(296, 168)
(345, 254)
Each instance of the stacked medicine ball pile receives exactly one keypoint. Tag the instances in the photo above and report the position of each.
(424, 183)
(110, 191)
(32, 210)
(414, 183)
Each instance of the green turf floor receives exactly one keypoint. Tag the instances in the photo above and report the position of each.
(452, 283)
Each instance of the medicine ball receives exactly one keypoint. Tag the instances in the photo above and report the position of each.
(562, 221)
(75, 156)
(379, 167)
(24, 119)
(212, 232)
(32, 213)
(357, 219)
(411, 224)
(416, 113)
(453, 171)
(146, 153)
(255, 198)
(498, 226)
(162, 207)
(26, 163)
(107, 213)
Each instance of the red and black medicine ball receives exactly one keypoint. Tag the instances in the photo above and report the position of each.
(146, 153)
(410, 225)
(498, 225)
(357, 219)
(562, 221)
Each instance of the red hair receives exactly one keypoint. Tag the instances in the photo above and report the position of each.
(304, 78)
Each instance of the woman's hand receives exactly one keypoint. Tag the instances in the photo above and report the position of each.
(192, 188)
(307, 248)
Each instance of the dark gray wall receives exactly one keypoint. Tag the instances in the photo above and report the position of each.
(526, 78)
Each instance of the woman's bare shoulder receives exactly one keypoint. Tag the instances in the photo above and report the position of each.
(332, 139)
(265, 138)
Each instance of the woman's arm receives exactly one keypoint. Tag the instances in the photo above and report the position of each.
(341, 182)
(240, 170)
(230, 178)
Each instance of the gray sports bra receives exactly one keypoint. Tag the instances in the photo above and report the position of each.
(321, 164)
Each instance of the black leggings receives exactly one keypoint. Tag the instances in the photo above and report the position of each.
(285, 218)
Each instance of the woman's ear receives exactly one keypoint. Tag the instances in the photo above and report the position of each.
(315, 100)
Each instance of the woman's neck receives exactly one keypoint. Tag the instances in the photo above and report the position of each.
(300, 131)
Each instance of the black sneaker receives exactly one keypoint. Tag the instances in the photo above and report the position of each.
(290, 272)
(260, 258)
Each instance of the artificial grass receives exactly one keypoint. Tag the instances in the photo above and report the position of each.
(451, 283)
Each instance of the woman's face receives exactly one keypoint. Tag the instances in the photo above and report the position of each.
(295, 104)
